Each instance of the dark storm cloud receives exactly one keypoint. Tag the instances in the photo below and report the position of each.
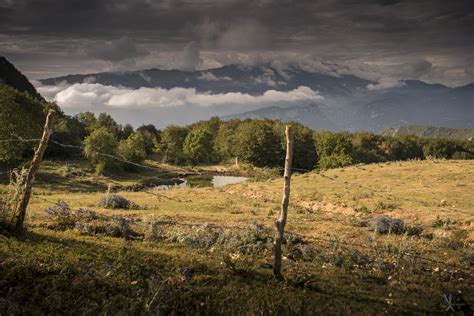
(116, 50)
(373, 35)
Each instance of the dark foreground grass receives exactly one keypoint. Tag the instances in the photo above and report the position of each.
(51, 272)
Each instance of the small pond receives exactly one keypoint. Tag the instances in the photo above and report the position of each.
(203, 181)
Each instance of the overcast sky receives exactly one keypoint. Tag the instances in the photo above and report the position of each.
(424, 39)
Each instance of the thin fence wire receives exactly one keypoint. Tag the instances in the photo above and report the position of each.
(354, 185)
(156, 194)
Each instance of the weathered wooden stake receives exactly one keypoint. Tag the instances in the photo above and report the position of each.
(30, 178)
(281, 222)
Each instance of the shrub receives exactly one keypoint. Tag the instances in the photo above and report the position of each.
(388, 225)
(115, 201)
(118, 227)
(62, 215)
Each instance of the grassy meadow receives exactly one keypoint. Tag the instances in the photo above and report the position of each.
(206, 250)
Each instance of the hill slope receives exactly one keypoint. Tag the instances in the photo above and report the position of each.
(11, 76)
(431, 132)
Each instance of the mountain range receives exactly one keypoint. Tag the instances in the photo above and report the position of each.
(348, 102)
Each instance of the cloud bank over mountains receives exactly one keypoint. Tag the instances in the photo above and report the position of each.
(97, 97)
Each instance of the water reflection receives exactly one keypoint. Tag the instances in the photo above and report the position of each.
(203, 181)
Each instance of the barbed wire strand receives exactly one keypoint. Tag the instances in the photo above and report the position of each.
(359, 186)
(332, 241)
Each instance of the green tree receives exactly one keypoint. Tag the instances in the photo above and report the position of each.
(226, 140)
(334, 150)
(405, 147)
(99, 146)
(440, 148)
(20, 116)
(368, 147)
(151, 136)
(105, 120)
(126, 131)
(87, 119)
(132, 149)
(69, 131)
(171, 145)
(259, 144)
(305, 156)
(198, 146)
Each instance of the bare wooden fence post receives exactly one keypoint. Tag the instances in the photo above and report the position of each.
(281, 222)
(30, 178)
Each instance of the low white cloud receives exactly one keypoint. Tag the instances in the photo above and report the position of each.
(385, 83)
(49, 92)
(87, 95)
(209, 76)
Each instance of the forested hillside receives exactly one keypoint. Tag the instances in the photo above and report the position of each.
(431, 132)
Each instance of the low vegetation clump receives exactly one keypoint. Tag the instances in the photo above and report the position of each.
(88, 222)
(388, 225)
(62, 216)
(253, 238)
(116, 226)
(115, 201)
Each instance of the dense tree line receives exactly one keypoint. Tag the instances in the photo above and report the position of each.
(108, 144)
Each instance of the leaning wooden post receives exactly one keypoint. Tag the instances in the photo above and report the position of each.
(30, 178)
(281, 222)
